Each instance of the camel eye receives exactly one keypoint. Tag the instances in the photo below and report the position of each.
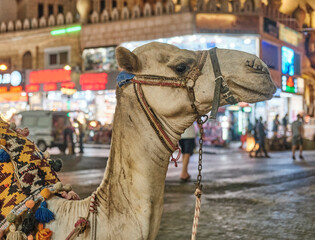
(181, 68)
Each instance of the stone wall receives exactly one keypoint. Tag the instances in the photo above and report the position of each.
(14, 45)
(114, 33)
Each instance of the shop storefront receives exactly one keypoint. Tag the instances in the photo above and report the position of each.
(90, 94)
(12, 96)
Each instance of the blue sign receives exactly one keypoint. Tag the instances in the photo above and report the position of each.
(287, 61)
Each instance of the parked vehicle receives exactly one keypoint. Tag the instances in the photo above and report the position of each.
(46, 127)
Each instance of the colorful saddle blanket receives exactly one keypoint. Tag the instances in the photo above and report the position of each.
(24, 173)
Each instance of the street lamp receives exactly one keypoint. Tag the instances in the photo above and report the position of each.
(3, 67)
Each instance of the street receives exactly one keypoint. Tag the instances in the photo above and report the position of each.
(244, 198)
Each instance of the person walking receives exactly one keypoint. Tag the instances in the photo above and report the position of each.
(187, 144)
(68, 139)
(261, 130)
(297, 136)
(285, 124)
(81, 134)
(255, 135)
(275, 126)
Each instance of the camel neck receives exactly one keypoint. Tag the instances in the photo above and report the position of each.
(136, 169)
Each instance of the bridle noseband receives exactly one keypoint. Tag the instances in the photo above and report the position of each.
(187, 82)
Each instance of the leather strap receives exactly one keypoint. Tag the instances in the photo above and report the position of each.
(218, 82)
(220, 86)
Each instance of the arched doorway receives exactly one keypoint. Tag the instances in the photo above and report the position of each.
(27, 61)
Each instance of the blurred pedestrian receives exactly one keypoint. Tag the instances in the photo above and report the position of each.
(261, 130)
(187, 144)
(68, 139)
(81, 134)
(297, 136)
(255, 135)
(285, 124)
(275, 126)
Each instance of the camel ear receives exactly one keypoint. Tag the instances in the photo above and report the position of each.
(127, 60)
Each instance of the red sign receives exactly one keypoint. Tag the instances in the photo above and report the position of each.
(93, 78)
(3, 89)
(50, 76)
(68, 85)
(93, 87)
(50, 87)
(32, 88)
(16, 89)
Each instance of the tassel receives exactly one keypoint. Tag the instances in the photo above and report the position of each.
(14, 235)
(70, 195)
(43, 214)
(43, 233)
(56, 164)
(28, 224)
(4, 156)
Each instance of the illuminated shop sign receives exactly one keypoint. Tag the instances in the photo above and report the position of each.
(93, 81)
(50, 76)
(13, 79)
(289, 35)
(289, 84)
(32, 88)
(287, 61)
(50, 87)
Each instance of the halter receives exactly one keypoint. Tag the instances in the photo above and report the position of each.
(187, 82)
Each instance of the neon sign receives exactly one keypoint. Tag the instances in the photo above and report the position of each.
(287, 61)
(32, 88)
(50, 76)
(289, 84)
(14, 78)
(50, 87)
(93, 81)
(66, 30)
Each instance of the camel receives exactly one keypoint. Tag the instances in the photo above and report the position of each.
(130, 196)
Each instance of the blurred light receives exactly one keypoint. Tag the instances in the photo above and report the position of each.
(66, 30)
(23, 94)
(247, 41)
(203, 40)
(192, 38)
(232, 45)
(67, 67)
(93, 124)
(3, 67)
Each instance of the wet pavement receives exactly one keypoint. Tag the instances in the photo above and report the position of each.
(244, 198)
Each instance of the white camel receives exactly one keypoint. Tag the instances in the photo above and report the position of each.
(131, 194)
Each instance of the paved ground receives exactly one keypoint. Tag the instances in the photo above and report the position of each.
(244, 198)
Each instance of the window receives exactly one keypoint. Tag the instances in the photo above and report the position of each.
(102, 5)
(40, 10)
(60, 9)
(63, 57)
(270, 55)
(29, 121)
(57, 57)
(50, 9)
(114, 3)
(52, 59)
(99, 59)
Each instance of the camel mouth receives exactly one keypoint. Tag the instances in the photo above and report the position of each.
(264, 93)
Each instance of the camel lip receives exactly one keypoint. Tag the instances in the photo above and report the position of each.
(267, 94)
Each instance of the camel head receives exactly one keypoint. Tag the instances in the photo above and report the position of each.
(246, 76)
